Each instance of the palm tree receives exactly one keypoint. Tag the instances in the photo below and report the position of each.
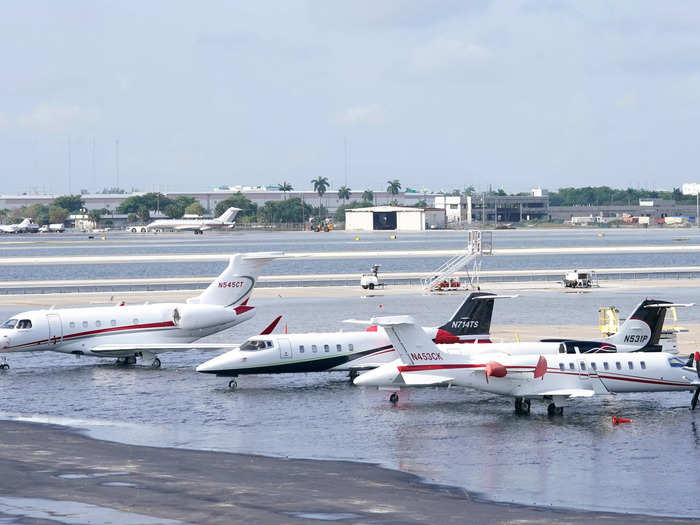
(393, 187)
(344, 193)
(368, 196)
(320, 186)
(285, 187)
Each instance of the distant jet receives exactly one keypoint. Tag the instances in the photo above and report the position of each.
(26, 226)
(198, 226)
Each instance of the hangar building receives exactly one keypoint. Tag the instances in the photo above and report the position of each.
(394, 218)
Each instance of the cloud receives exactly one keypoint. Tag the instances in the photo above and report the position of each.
(57, 119)
(358, 115)
(449, 53)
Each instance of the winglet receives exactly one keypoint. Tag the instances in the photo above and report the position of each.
(268, 330)
(541, 367)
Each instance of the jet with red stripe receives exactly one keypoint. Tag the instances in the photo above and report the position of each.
(554, 378)
(346, 351)
(128, 332)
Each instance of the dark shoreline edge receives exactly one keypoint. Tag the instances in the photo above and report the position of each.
(207, 487)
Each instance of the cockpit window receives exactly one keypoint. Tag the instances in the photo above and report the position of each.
(10, 323)
(256, 344)
(24, 324)
(675, 362)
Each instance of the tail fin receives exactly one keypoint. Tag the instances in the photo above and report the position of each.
(228, 216)
(473, 316)
(236, 282)
(643, 327)
(409, 340)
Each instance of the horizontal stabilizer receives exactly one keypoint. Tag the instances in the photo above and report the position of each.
(425, 380)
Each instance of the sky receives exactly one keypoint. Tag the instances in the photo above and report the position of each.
(438, 94)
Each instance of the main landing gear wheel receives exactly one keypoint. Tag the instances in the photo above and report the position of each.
(155, 363)
(352, 375)
(394, 398)
(4, 366)
(554, 410)
(522, 406)
(233, 384)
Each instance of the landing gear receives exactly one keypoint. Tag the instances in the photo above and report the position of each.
(233, 384)
(131, 360)
(394, 398)
(522, 406)
(4, 365)
(554, 410)
(155, 363)
(352, 375)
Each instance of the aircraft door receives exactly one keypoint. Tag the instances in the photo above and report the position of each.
(285, 348)
(55, 328)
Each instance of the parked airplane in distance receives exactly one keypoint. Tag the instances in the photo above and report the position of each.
(198, 226)
(345, 351)
(26, 226)
(128, 332)
(554, 379)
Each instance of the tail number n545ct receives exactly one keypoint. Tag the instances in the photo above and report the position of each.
(230, 284)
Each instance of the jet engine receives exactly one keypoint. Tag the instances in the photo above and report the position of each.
(195, 316)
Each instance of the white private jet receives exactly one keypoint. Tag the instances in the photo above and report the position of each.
(26, 226)
(128, 332)
(554, 379)
(345, 351)
(198, 226)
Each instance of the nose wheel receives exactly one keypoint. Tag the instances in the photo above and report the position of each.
(233, 384)
(522, 406)
(4, 365)
(394, 398)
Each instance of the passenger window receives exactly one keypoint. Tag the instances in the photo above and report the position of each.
(85, 324)
(561, 366)
(339, 348)
(630, 365)
(98, 323)
(606, 365)
(301, 349)
(113, 322)
(643, 365)
(350, 347)
(618, 365)
(135, 321)
(71, 324)
(571, 366)
(314, 348)
(593, 366)
(326, 348)
(583, 365)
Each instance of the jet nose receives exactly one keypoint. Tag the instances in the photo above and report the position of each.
(220, 363)
(4, 341)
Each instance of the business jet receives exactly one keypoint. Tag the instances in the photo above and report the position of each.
(554, 379)
(140, 331)
(641, 332)
(26, 226)
(345, 351)
(198, 226)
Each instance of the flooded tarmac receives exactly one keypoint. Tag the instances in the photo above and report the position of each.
(450, 436)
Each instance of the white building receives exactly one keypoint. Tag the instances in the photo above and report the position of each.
(458, 208)
(394, 218)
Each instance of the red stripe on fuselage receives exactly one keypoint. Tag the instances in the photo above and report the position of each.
(163, 324)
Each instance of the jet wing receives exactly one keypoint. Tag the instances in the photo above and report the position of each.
(425, 380)
(126, 350)
(564, 392)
